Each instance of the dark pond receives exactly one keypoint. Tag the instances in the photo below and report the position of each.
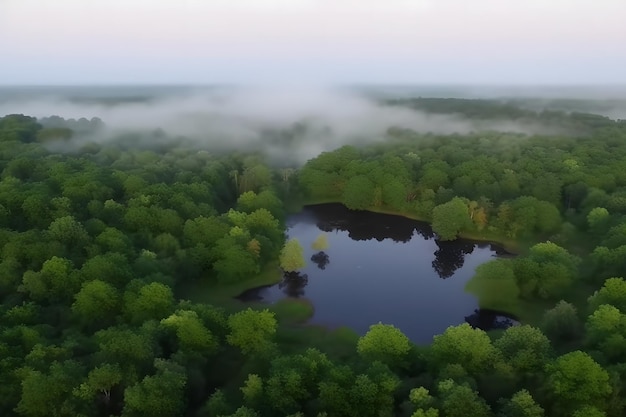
(383, 268)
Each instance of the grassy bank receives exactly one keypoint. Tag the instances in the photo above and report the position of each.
(223, 294)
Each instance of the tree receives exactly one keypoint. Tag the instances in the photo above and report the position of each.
(547, 271)
(385, 343)
(575, 380)
(462, 401)
(588, 411)
(598, 219)
(57, 281)
(358, 193)
(49, 393)
(292, 257)
(526, 348)
(606, 329)
(191, 333)
(561, 323)
(100, 380)
(233, 259)
(97, 303)
(464, 345)
(522, 404)
(450, 218)
(613, 292)
(67, 230)
(159, 395)
(150, 301)
(252, 331)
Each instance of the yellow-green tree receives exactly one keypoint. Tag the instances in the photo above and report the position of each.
(291, 256)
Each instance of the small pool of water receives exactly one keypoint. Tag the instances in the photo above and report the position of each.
(383, 268)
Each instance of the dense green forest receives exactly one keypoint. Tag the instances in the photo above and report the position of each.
(99, 239)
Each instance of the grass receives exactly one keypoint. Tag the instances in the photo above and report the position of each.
(223, 295)
(293, 310)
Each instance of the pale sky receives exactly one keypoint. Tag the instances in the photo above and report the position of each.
(313, 41)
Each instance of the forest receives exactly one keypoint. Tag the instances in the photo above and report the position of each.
(100, 239)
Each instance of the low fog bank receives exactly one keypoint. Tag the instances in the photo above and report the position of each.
(294, 124)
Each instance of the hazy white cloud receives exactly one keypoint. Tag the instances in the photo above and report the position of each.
(251, 118)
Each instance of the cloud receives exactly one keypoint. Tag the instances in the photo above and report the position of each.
(288, 124)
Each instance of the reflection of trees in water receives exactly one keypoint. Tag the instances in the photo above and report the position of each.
(293, 284)
(486, 319)
(321, 259)
(363, 225)
(451, 256)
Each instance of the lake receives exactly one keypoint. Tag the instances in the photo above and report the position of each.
(383, 268)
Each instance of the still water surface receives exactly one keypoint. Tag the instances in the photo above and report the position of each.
(383, 268)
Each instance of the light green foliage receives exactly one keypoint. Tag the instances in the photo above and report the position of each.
(525, 348)
(233, 261)
(561, 322)
(529, 215)
(204, 231)
(597, 218)
(96, 303)
(589, 411)
(250, 201)
(494, 285)
(547, 271)
(606, 329)
(575, 379)
(294, 379)
(111, 267)
(450, 218)
(49, 393)
(114, 240)
(464, 345)
(358, 193)
(421, 398)
(159, 395)
(242, 412)
(292, 256)
(67, 230)
(461, 401)
(252, 331)
(320, 242)
(385, 343)
(191, 332)
(217, 405)
(56, 281)
(150, 301)
(613, 292)
(252, 390)
(430, 412)
(522, 404)
(100, 381)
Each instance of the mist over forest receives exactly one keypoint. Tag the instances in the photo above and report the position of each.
(323, 252)
(292, 125)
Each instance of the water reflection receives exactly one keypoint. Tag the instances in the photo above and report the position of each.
(360, 225)
(486, 319)
(450, 256)
(293, 284)
(385, 269)
(320, 259)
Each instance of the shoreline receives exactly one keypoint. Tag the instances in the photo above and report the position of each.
(511, 246)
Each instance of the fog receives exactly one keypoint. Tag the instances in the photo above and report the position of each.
(312, 119)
